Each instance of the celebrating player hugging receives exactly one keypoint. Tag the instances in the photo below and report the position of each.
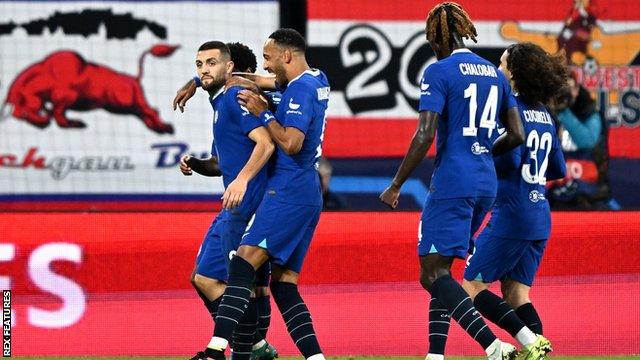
(242, 148)
(282, 226)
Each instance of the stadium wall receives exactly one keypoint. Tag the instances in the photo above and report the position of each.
(118, 284)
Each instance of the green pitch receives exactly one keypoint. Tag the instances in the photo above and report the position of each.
(341, 358)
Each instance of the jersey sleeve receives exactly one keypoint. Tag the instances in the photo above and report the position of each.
(273, 97)
(509, 98)
(433, 90)
(298, 107)
(248, 121)
(557, 165)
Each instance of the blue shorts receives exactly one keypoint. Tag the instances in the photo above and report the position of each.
(210, 261)
(447, 225)
(496, 258)
(284, 230)
(220, 245)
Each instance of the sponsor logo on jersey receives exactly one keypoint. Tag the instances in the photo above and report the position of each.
(424, 89)
(323, 93)
(292, 105)
(293, 108)
(478, 149)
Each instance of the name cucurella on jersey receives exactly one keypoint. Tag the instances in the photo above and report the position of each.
(541, 117)
(478, 70)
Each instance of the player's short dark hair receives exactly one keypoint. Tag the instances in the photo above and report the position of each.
(212, 45)
(243, 57)
(537, 75)
(447, 18)
(289, 38)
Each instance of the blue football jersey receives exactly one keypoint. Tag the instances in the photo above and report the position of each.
(303, 106)
(521, 210)
(231, 126)
(469, 94)
(274, 97)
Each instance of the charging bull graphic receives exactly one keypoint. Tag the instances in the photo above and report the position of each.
(582, 38)
(65, 81)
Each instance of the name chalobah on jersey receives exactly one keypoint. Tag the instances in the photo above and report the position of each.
(477, 70)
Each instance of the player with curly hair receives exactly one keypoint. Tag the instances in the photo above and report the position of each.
(510, 248)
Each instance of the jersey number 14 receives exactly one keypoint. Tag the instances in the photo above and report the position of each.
(488, 117)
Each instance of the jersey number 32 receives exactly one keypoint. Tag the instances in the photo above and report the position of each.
(534, 172)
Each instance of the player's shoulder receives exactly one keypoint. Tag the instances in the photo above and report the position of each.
(311, 84)
(232, 92)
(435, 72)
(231, 97)
(310, 79)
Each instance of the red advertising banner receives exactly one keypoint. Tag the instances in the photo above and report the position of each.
(118, 284)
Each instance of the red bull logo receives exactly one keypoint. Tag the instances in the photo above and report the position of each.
(65, 81)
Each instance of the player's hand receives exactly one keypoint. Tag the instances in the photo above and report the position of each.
(243, 82)
(390, 196)
(255, 103)
(234, 193)
(185, 93)
(184, 167)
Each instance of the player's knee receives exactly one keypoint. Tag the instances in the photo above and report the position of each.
(208, 286)
(430, 271)
(515, 299)
(254, 255)
(515, 294)
(428, 277)
(474, 287)
(262, 291)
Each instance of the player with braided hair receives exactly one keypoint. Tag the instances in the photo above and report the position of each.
(461, 96)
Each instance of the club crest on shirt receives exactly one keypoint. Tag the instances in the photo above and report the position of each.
(535, 196)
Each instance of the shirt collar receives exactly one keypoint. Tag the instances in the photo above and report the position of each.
(214, 96)
(312, 72)
(462, 50)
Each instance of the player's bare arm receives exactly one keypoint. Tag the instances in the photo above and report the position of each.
(420, 143)
(251, 81)
(205, 167)
(514, 135)
(289, 139)
(185, 93)
(261, 153)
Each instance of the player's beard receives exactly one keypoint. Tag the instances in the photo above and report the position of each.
(281, 75)
(213, 85)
